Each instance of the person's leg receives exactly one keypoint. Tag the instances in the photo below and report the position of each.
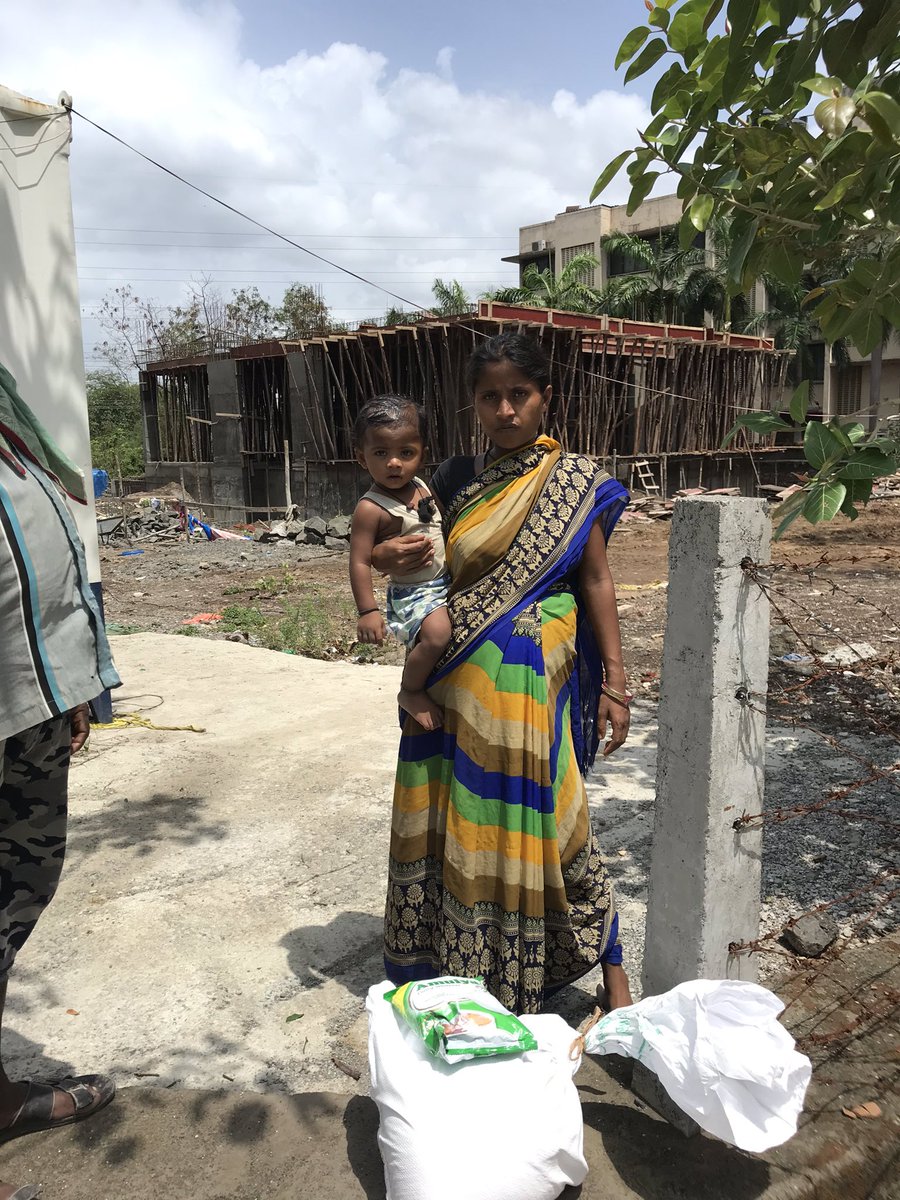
(34, 768)
(616, 986)
(434, 636)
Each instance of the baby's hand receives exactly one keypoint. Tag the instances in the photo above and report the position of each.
(371, 628)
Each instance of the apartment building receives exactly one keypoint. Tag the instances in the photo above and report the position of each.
(841, 389)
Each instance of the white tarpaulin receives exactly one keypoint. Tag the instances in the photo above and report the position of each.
(720, 1052)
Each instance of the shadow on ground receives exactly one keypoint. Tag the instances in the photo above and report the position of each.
(348, 949)
(141, 825)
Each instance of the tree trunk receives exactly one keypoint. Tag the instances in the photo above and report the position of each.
(874, 385)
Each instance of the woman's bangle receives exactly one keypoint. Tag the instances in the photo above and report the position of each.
(623, 698)
(365, 612)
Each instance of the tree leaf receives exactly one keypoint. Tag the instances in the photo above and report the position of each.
(785, 259)
(866, 328)
(838, 192)
(741, 18)
(757, 422)
(701, 210)
(834, 115)
(800, 402)
(886, 107)
(789, 511)
(650, 55)
(825, 85)
(820, 444)
(855, 432)
(660, 17)
(740, 248)
(640, 190)
(824, 501)
(631, 43)
(868, 463)
(714, 9)
(609, 172)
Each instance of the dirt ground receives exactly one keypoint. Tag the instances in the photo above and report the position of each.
(303, 592)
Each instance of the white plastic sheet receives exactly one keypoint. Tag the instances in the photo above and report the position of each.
(489, 1129)
(721, 1054)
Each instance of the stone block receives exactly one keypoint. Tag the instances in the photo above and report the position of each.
(338, 527)
(811, 935)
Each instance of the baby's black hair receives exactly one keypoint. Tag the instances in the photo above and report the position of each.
(522, 351)
(388, 410)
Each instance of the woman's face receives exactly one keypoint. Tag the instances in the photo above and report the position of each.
(509, 405)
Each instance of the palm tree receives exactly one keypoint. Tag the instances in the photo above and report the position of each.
(543, 289)
(668, 284)
(450, 298)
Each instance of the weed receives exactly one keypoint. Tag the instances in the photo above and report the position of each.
(273, 585)
(243, 617)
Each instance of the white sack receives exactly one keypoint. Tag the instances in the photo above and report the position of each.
(720, 1053)
(505, 1128)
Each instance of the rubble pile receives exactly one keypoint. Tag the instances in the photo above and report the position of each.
(141, 525)
(643, 507)
(314, 531)
(887, 488)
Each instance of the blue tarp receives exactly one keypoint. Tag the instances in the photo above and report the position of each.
(101, 482)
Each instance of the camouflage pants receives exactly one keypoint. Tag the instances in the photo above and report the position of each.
(34, 771)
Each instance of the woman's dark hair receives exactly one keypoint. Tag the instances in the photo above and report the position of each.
(389, 410)
(522, 351)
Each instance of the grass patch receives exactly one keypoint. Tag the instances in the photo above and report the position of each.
(246, 618)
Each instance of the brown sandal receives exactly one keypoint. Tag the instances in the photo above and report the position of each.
(90, 1093)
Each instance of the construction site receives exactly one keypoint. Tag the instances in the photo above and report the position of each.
(255, 429)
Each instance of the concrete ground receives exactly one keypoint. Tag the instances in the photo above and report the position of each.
(219, 924)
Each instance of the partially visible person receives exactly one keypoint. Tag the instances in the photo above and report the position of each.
(493, 868)
(389, 436)
(55, 658)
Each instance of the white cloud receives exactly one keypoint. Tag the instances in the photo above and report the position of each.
(332, 144)
(444, 62)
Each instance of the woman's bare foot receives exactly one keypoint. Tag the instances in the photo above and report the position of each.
(616, 988)
(421, 708)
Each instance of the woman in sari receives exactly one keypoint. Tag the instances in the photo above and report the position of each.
(493, 867)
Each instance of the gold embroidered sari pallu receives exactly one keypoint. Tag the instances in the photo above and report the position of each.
(493, 869)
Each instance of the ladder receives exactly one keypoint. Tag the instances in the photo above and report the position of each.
(646, 478)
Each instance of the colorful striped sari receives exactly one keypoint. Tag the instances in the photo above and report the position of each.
(493, 868)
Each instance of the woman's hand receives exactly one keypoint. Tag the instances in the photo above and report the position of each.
(619, 718)
(371, 629)
(403, 555)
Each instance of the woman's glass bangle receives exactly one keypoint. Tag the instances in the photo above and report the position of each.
(619, 697)
(365, 611)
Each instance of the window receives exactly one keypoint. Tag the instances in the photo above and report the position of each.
(849, 390)
(567, 253)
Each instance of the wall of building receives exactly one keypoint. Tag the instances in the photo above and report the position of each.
(585, 227)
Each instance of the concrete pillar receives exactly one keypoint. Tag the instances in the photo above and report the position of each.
(704, 874)
(227, 467)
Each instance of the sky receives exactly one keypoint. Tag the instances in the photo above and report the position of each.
(401, 140)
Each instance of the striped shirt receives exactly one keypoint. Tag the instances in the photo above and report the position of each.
(54, 653)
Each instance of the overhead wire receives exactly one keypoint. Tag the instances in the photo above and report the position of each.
(338, 266)
(239, 213)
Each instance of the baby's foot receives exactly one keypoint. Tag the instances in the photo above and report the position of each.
(421, 708)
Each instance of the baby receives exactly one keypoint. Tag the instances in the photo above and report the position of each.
(389, 438)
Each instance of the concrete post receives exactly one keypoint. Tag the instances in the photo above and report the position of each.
(704, 874)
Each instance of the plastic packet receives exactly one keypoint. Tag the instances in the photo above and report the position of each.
(458, 1019)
